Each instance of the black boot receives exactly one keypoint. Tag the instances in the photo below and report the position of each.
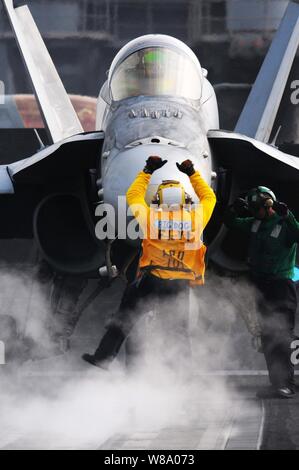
(92, 360)
(108, 348)
(285, 392)
(275, 392)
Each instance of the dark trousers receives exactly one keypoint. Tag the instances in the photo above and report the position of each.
(277, 306)
(139, 297)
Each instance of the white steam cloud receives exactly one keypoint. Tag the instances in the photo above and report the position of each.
(62, 403)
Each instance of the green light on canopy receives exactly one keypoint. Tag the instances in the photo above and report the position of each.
(154, 56)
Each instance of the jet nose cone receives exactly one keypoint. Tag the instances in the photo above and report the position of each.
(123, 167)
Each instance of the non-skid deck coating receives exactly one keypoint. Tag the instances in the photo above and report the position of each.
(242, 422)
(245, 423)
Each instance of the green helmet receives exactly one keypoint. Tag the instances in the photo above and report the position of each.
(257, 197)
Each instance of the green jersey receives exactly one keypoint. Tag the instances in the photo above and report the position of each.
(272, 244)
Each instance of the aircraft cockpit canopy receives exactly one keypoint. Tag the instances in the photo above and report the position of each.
(157, 71)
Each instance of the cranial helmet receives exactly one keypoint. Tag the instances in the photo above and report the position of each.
(171, 193)
(257, 197)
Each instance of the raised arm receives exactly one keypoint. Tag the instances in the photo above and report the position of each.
(205, 194)
(136, 199)
(202, 189)
(232, 221)
(292, 224)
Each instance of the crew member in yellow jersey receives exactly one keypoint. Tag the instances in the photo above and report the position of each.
(173, 254)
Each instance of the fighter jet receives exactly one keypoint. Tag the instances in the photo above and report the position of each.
(157, 100)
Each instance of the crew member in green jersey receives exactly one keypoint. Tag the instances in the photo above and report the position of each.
(273, 237)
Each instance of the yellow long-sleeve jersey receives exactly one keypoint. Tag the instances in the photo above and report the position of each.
(172, 246)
